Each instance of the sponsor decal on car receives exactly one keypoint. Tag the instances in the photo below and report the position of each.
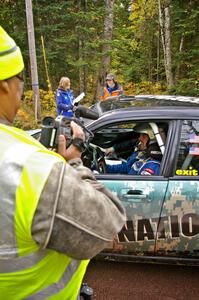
(142, 229)
(189, 172)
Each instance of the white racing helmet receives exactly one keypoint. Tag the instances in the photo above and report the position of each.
(145, 128)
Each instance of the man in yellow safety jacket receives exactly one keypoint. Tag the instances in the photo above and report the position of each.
(54, 216)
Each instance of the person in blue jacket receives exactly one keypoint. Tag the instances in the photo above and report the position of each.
(142, 161)
(64, 98)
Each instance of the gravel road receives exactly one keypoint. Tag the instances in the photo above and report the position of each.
(129, 281)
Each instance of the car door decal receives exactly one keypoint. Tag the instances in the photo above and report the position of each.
(188, 226)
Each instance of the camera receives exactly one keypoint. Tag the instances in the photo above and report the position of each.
(52, 128)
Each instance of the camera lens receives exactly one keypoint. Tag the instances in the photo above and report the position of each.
(48, 121)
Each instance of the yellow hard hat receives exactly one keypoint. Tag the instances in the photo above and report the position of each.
(11, 60)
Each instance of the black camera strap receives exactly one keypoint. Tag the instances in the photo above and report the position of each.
(79, 144)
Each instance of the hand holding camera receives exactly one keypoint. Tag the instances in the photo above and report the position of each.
(68, 136)
(72, 151)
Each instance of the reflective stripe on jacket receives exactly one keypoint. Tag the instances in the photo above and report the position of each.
(26, 271)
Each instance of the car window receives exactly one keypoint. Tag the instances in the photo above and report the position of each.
(113, 134)
(125, 138)
(188, 157)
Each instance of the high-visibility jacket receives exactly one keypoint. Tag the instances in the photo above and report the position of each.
(26, 271)
(111, 92)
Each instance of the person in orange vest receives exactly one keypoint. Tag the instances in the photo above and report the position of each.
(112, 87)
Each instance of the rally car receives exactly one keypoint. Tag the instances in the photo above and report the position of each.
(162, 211)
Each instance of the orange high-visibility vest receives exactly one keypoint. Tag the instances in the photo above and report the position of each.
(107, 94)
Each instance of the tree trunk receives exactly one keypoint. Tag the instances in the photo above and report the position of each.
(108, 32)
(177, 74)
(158, 54)
(82, 71)
(162, 30)
(33, 60)
(81, 75)
(169, 74)
(166, 42)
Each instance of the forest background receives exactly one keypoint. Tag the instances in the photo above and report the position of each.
(151, 45)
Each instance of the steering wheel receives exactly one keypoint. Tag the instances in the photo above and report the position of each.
(99, 163)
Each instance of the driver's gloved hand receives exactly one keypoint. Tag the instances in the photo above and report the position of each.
(74, 108)
(109, 151)
(95, 172)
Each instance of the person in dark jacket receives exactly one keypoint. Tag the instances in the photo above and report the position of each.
(64, 98)
(112, 87)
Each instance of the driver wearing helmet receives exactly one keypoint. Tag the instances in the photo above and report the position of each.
(143, 160)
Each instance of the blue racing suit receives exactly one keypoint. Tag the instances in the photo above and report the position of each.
(145, 167)
(125, 167)
(64, 102)
(136, 164)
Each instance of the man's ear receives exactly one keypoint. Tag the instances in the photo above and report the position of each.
(4, 87)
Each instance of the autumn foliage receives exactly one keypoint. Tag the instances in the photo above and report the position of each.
(25, 118)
